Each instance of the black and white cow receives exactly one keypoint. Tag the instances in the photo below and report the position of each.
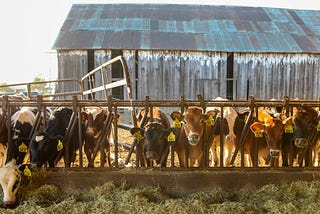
(48, 145)
(22, 122)
(10, 180)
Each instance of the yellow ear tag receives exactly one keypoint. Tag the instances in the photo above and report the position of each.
(118, 121)
(171, 137)
(258, 133)
(177, 123)
(27, 171)
(23, 147)
(245, 118)
(318, 127)
(137, 135)
(59, 146)
(210, 120)
(289, 129)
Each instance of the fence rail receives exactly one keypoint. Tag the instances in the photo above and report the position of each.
(115, 105)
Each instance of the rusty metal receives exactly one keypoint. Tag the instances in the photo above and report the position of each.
(6, 104)
(29, 84)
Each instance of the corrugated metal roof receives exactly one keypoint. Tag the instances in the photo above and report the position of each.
(189, 27)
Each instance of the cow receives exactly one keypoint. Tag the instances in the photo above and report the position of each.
(94, 119)
(268, 131)
(193, 133)
(305, 124)
(154, 137)
(22, 122)
(10, 180)
(229, 115)
(48, 146)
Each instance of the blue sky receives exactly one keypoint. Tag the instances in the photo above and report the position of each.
(29, 29)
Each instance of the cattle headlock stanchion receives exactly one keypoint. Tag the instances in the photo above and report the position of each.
(244, 135)
(4, 113)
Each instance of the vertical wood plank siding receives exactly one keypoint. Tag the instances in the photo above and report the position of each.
(71, 65)
(171, 74)
(277, 75)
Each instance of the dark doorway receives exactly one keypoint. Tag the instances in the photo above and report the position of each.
(230, 79)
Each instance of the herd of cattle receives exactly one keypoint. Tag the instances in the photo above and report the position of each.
(276, 138)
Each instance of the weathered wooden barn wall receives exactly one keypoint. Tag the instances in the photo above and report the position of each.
(277, 75)
(71, 65)
(169, 75)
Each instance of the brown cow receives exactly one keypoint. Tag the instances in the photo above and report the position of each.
(191, 139)
(268, 131)
(95, 118)
(153, 136)
(305, 125)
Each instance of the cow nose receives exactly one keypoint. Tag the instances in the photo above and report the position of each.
(301, 142)
(90, 131)
(193, 139)
(151, 155)
(275, 153)
(34, 165)
(230, 138)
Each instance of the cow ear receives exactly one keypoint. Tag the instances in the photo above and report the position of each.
(176, 115)
(257, 128)
(137, 132)
(25, 169)
(84, 117)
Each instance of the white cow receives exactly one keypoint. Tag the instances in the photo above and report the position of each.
(10, 180)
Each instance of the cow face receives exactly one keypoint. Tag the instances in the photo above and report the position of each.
(194, 123)
(43, 148)
(94, 118)
(272, 130)
(304, 123)
(155, 139)
(10, 180)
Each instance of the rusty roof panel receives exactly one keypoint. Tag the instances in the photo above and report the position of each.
(189, 27)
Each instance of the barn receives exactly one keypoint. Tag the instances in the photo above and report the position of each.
(184, 50)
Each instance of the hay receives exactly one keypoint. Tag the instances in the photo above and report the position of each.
(295, 197)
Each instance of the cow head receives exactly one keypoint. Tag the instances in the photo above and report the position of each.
(10, 180)
(194, 120)
(94, 118)
(272, 132)
(43, 148)
(305, 120)
(155, 137)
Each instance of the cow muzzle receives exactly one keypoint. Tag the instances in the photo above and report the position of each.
(151, 155)
(193, 139)
(274, 153)
(301, 143)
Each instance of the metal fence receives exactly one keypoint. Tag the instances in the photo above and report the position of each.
(114, 105)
